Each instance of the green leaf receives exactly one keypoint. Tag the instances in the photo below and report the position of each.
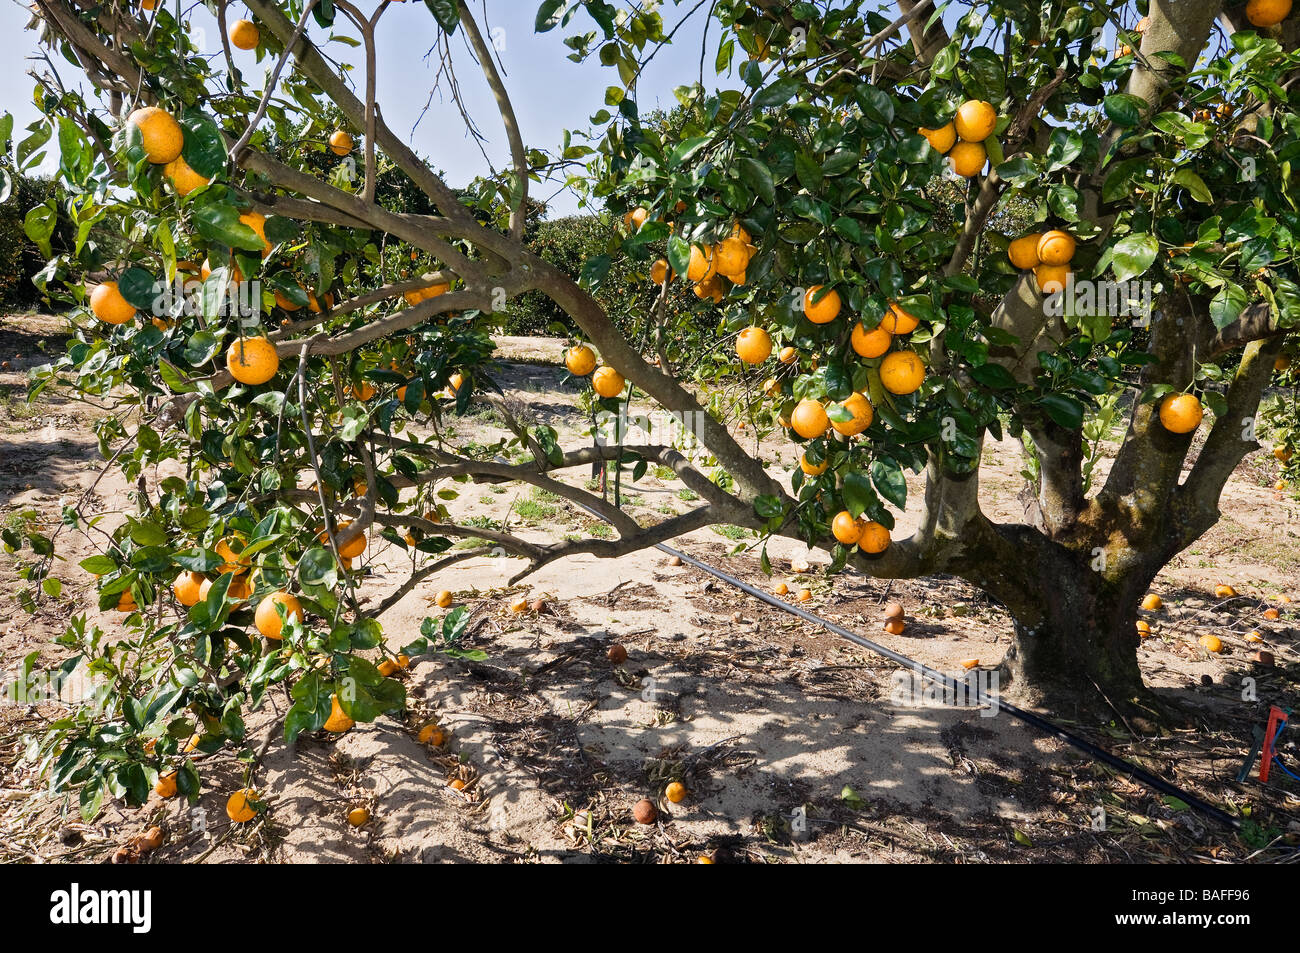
(205, 149)
(686, 149)
(139, 288)
(1064, 410)
(758, 177)
(1123, 109)
(887, 476)
(1133, 255)
(317, 567)
(1227, 305)
(219, 222)
(857, 493)
(1194, 184)
(446, 13)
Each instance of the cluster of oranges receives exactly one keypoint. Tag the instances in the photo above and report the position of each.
(962, 140)
(605, 381)
(1048, 255)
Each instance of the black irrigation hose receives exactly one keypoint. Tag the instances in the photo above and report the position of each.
(959, 689)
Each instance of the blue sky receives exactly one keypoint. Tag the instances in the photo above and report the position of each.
(550, 93)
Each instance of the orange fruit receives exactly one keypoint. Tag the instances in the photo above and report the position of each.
(353, 548)
(1152, 602)
(126, 602)
(701, 265)
(644, 811)
(860, 408)
(232, 270)
(788, 355)
(1051, 278)
(257, 222)
(403, 661)
(1143, 628)
(941, 139)
(898, 321)
(340, 142)
(338, 721)
(754, 345)
(363, 392)
(443, 599)
(967, 159)
(894, 626)
(267, 618)
(233, 562)
(809, 419)
(705, 858)
(252, 361)
(901, 372)
(1282, 363)
(1211, 643)
(160, 134)
(457, 784)
(660, 272)
(186, 587)
(970, 663)
(1023, 252)
(244, 35)
(431, 734)
(846, 529)
(805, 595)
(1267, 13)
(1282, 453)
(819, 307)
(184, 179)
(358, 816)
(1253, 637)
(1181, 413)
(1272, 614)
(731, 257)
(675, 792)
(772, 387)
(166, 786)
(1222, 591)
(455, 382)
(237, 807)
(608, 382)
(875, 538)
(812, 469)
(617, 653)
(1055, 248)
(386, 668)
(635, 218)
(237, 591)
(975, 121)
(871, 343)
(781, 589)
(107, 304)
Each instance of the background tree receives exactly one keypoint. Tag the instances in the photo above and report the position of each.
(1166, 164)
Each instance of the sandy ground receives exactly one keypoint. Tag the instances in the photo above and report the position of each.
(791, 743)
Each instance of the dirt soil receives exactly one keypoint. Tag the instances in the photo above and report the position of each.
(793, 745)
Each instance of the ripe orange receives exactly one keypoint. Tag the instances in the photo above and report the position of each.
(580, 360)
(805, 595)
(846, 529)
(363, 392)
(1222, 591)
(232, 270)
(244, 35)
(1056, 247)
(1143, 628)
(809, 419)
(826, 306)
(898, 321)
(875, 538)
(675, 792)
(701, 265)
(386, 668)
(1051, 278)
(781, 589)
(754, 345)
(160, 134)
(660, 272)
(358, 816)
(431, 734)
(233, 562)
(443, 599)
(608, 382)
(1267, 13)
(970, 663)
(252, 360)
(635, 219)
(1181, 413)
(237, 807)
(126, 602)
(1152, 602)
(788, 355)
(901, 372)
(871, 343)
(894, 626)
(186, 587)
(1212, 643)
(184, 179)
(862, 412)
(1282, 363)
(237, 591)
(705, 858)
(1272, 614)
(257, 222)
(617, 653)
(1023, 252)
(975, 121)
(338, 721)
(1282, 452)
(456, 784)
(267, 618)
(166, 786)
(941, 139)
(812, 469)
(353, 548)
(107, 304)
(967, 159)
(340, 142)
(455, 383)
(772, 387)
(731, 257)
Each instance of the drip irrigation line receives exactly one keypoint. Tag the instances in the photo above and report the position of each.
(961, 689)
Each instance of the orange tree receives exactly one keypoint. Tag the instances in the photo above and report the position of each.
(886, 320)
